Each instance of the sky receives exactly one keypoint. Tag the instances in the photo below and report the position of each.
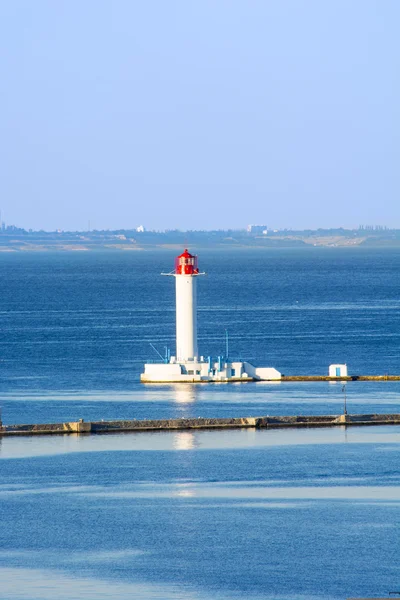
(199, 114)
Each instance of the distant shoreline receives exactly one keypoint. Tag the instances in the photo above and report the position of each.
(13, 239)
(24, 247)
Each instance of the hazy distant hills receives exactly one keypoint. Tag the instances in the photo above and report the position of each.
(19, 240)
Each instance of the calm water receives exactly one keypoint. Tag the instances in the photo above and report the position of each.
(274, 515)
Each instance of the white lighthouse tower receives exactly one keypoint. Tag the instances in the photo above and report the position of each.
(187, 366)
(186, 273)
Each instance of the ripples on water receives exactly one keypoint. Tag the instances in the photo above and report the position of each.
(256, 514)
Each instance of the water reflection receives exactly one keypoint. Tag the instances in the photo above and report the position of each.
(185, 490)
(184, 440)
(184, 393)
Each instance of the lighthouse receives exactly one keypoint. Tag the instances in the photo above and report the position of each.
(187, 366)
(186, 273)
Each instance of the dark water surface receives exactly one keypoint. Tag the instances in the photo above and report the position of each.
(275, 515)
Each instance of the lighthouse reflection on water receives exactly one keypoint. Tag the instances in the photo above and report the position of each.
(184, 393)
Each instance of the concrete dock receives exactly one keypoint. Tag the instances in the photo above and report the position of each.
(265, 422)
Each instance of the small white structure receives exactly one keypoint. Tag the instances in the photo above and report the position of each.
(338, 371)
(187, 366)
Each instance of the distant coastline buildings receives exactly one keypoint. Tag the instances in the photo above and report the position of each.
(253, 229)
(256, 229)
(11, 228)
(14, 238)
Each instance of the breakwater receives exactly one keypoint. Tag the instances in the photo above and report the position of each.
(136, 426)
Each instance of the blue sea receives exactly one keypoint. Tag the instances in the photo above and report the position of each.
(274, 515)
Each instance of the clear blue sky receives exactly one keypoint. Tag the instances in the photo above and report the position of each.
(199, 114)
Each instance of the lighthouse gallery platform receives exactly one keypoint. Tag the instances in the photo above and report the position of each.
(187, 366)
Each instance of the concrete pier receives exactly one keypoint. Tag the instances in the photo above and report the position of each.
(266, 422)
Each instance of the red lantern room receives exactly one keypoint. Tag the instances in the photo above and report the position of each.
(186, 264)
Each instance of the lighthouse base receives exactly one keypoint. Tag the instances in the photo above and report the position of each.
(206, 371)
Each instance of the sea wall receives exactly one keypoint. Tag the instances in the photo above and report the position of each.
(266, 422)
